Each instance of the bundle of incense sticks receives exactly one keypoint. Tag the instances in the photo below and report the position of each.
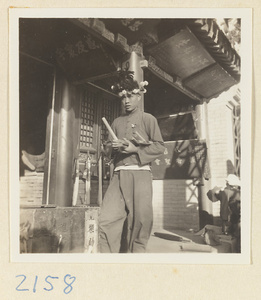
(142, 140)
(140, 137)
(109, 128)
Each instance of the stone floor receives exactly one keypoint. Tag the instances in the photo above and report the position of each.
(174, 241)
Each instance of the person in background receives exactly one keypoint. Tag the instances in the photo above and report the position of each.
(230, 208)
(129, 195)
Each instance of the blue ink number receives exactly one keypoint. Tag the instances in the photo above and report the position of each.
(17, 288)
(69, 287)
(46, 279)
(68, 280)
(35, 282)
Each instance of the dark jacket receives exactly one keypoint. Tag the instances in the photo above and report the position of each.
(147, 126)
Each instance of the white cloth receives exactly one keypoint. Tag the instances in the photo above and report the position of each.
(133, 167)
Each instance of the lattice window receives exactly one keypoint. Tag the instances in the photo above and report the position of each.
(87, 119)
(110, 110)
(237, 137)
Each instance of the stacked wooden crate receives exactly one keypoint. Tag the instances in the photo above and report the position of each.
(31, 188)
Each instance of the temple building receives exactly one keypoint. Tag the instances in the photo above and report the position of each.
(66, 69)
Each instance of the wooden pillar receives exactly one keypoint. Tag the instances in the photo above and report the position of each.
(205, 205)
(65, 150)
(132, 63)
(59, 184)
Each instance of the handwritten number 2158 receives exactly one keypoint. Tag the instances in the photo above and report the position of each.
(68, 280)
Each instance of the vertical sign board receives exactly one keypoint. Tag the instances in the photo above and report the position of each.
(91, 231)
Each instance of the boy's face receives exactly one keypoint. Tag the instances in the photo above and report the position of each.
(130, 101)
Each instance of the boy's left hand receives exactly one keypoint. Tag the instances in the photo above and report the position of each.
(130, 148)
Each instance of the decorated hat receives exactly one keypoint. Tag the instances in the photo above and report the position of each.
(233, 180)
(126, 84)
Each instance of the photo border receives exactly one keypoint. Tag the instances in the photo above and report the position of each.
(246, 150)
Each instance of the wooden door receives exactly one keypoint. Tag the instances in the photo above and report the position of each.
(95, 104)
